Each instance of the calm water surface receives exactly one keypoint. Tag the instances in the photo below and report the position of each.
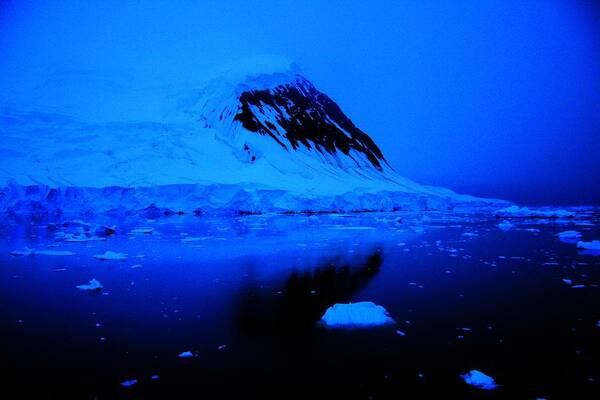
(245, 296)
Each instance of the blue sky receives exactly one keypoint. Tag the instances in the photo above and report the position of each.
(493, 98)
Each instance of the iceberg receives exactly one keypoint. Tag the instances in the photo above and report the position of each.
(93, 285)
(479, 380)
(129, 382)
(593, 245)
(505, 225)
(54, 252)
(569, 236)
(351, 315)
(185, 354)
(26, 251)
(111, 255)
(143, 231)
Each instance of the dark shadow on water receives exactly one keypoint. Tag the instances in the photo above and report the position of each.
(303, 299)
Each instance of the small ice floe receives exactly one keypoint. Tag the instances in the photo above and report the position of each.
(143, 230)
(551, 264)
(577, 286)
(76, 237)
(567, 281)
(525, 212)
(26, 251)
(110, 255)
(590, 248)
(353, 228)
(93, 285)
(54, 252)
(351, 315)
(505, 225)
(129, 382)
(569, 236)
(418, 229)
(185, 354)
(479, 380)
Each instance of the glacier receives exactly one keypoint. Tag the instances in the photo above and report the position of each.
(258, 138)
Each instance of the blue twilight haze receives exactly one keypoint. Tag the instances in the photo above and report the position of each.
(497, 99)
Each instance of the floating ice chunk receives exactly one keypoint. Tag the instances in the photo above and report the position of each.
(26, 251)
(470, 234)
(54, 252)
(479, 380)
(569, 236)
(593, 245)
(144, 230)
(93, 285)
(129, 383)
(186, 354)
(71, 237)
(353, 228)
(568, 281)
(110, 255)
(505, 225)
(362, 314)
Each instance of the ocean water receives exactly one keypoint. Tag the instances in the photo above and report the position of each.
(244, 295)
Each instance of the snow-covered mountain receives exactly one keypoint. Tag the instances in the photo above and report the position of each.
(259, 138)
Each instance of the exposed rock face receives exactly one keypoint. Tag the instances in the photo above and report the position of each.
(297, 114)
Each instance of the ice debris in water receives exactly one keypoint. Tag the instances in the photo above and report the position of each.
(505, 225)
(76, 237)
(569, 235)
(593, 245)
(110, 255)
(479, 380)
(54, 252)
(26, 251)
(144, 230)
(93, 285)
(361, 314)
(185, 354)
(129, 382)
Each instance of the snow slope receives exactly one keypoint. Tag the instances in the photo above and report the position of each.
(259, 138)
